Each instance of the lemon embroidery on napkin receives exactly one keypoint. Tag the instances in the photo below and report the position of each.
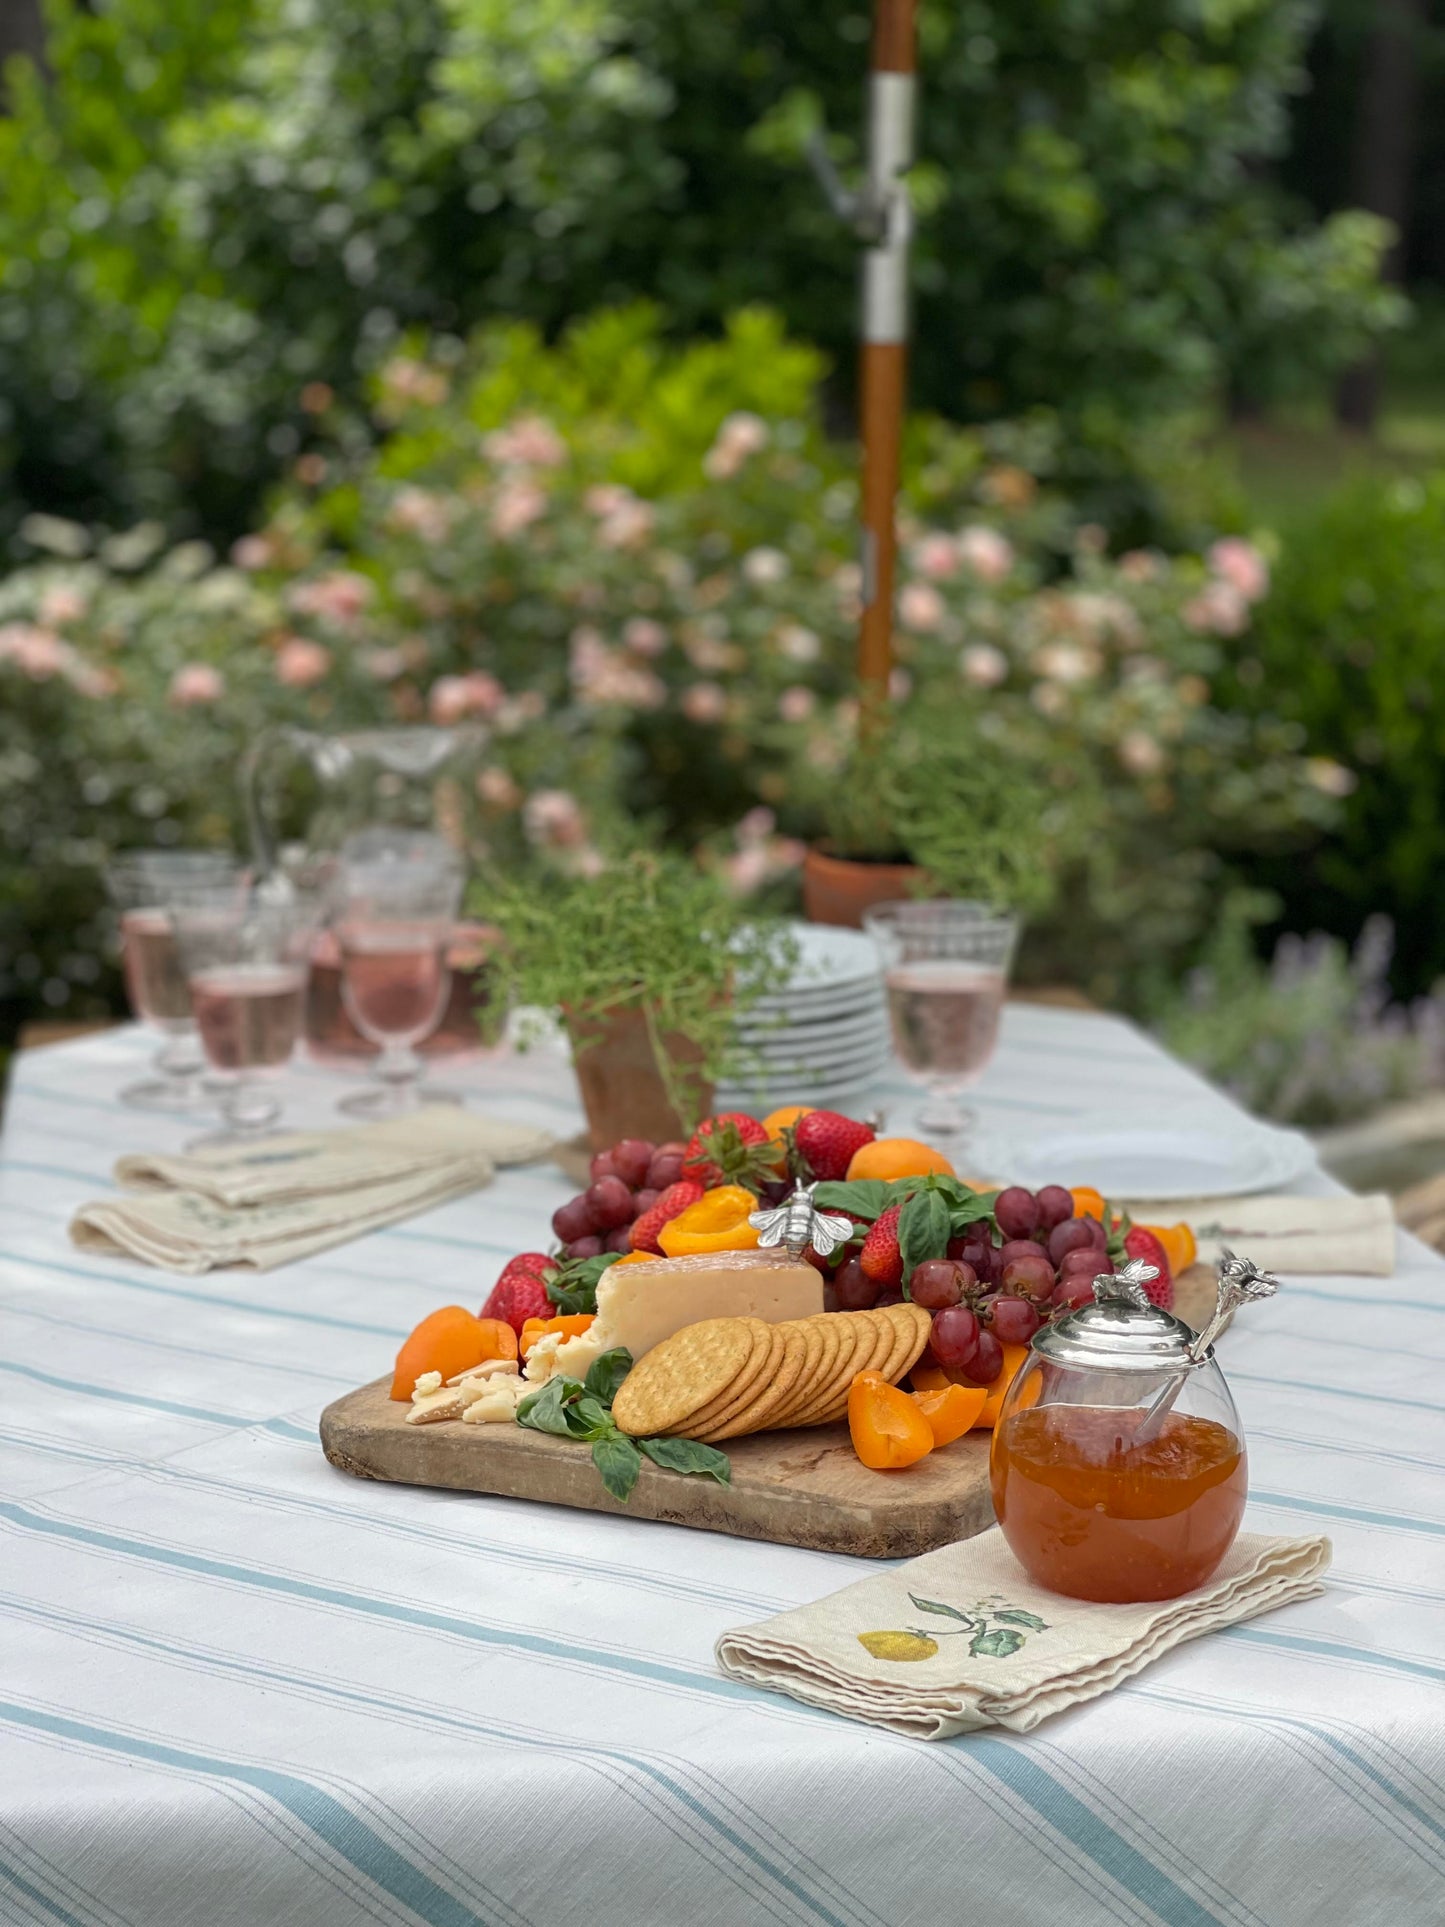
(994, 1631)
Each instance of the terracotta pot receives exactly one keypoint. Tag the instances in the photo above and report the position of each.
(838, 890)
(622, 1088)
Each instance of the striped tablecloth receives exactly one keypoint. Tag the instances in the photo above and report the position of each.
(237, 1686)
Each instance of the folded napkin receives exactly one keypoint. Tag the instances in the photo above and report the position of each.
(275, 1200)
(1329, 1234)
(962, 1638)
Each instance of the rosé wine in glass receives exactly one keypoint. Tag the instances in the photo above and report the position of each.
(945, 1016)
(154, 980)
(249, 1015)
(945, 969)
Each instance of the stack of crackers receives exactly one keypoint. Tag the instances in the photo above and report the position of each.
(729, 1376)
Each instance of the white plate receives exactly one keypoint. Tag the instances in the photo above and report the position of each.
(1146, 1166)
(831, 962)
(826, 1041)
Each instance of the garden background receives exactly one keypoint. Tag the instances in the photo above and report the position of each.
(372, 361)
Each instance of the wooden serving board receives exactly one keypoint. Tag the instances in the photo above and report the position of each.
(803, 1488)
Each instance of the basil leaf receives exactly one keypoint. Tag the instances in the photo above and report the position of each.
(948, 1612)
(547, 1410)
(924, 1229)
(572, 1287)
(996, 1645)
(865, 1197)
(589, 1418)
(687, 1455)
(619, 1462)
(973, 1208)
(606, 1373)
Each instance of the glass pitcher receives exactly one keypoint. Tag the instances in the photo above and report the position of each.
(1118, 1462)
(306, 793)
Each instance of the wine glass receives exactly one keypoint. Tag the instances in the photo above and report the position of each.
(393, 927)
(945, 968)
(246, 958)
(141, 884)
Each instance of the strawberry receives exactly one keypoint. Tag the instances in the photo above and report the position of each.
(1140, 1242)
(731, 1148)
(880, 1257)
(677, 1197)
(825, 1142)
(520, 1292)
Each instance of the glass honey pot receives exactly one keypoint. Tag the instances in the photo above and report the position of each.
(1118, 1463)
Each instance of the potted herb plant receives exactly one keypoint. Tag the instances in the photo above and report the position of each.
(649, 961)
(918, 817)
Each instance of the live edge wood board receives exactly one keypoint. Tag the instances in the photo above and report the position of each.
(801, 1488)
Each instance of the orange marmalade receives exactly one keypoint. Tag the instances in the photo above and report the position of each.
(1088, 1513)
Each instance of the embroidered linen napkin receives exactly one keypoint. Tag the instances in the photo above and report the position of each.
(1354, 1235)
(281, 1198)
(962, 1638)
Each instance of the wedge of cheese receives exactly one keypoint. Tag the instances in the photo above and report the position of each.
(640, 1305)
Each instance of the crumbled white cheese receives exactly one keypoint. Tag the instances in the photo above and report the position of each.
(428, 1382)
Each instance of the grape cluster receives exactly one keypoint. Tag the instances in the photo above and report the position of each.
(985, 1295)
(626, 1182)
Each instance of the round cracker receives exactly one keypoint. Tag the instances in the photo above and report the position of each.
(855, 1329)
(824, 1372)
(812, 1330)
(681, 1374)
(911, 1324)
(864, 1360)
(748, 1382)
(756, 1417)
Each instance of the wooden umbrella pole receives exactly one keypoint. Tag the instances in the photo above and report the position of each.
(891, 88)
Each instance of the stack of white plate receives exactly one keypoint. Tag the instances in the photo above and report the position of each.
(823, 1037)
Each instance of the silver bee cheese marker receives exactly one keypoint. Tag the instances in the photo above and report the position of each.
(797, 1223)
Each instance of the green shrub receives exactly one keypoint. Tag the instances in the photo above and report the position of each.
(682, 658)
(1350, 647)
(212, 208)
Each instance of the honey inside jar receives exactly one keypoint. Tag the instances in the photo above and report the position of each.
(1089, 1513)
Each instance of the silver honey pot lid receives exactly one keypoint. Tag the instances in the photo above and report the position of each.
(1123, 1331)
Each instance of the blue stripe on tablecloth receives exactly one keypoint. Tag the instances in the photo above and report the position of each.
(430, 1717)
(341, 1829)
(1333, 1649)
(1350, 1448)
(1096, 1839)
(1362, 1515)
(129, 1398)
(139, 1283)
(185, 1351)
(56, 1171)
(1078, 1823)
(1352, 1298)
(14, 1878)
(1333, 1391)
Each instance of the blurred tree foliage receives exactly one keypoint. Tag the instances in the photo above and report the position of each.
(211, 207)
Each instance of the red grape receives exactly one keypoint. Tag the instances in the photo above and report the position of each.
(643, 1201)
(589, 1247)
(855, 1290)
(610, 1203)
(574, 1219)
(602, 1166)
(665, 1169)
(939, 1282)
(619, 1239)
(1072, 1292)
(631, 1159)
(1055, 1205)
(1016, 1212)
(1031, 1277)
(1087, 1262)
(979, 1253)
(1020, 1248)
(955, 1338)
(1072, 1235)
(1015, 1320)
(987, 1360)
